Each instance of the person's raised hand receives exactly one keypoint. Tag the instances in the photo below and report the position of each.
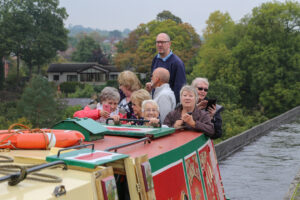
(116, 119)
(202, 104)
(149, 86)
(104, 114)
(178, 123)
(212, 111)
(188, 119)
(154, 122)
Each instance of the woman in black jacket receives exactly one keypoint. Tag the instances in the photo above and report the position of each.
(202, 84)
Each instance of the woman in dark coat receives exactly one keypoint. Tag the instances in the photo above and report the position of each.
(186, 115)
(201, 85)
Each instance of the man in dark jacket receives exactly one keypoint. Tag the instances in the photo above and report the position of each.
(167, 59)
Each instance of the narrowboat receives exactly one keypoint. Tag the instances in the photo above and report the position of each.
(114, 162)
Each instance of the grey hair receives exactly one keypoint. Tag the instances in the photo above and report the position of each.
(190, 88)
(109, 93)
(200, 80)
(151, 101)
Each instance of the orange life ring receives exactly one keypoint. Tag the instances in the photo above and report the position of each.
(39, 138)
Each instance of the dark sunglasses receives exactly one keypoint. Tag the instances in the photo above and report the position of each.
(205, 89)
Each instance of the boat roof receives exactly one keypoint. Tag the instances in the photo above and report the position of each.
(156, 147)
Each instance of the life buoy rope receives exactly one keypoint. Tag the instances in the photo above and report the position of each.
(8, 169)
(50, 139)
(11, 168)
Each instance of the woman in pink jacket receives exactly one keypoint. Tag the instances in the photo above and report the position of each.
(108, 106)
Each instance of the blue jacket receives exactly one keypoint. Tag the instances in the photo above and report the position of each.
(176, 69)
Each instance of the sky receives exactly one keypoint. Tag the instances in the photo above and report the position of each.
(121, 14)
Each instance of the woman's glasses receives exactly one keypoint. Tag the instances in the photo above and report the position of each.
(205, 89)
(151, 110)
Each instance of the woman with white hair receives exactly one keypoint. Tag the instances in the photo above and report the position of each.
(201, 85)
(150, 111)
(188, 116)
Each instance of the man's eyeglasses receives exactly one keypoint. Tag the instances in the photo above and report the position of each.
(205, 89)
(162, 42)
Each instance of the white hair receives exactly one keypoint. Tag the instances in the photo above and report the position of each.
(151, 101)
(200, 80)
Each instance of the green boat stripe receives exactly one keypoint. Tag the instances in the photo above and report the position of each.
(174, 155)
(204, 145)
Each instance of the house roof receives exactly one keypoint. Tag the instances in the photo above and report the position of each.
(78, 67)
(111, 68)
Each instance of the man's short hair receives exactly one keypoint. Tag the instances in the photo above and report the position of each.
(164, 76)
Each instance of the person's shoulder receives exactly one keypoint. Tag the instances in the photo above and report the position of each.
(176, 61)
(175, 57)
(154, 58)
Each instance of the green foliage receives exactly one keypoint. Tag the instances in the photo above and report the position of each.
(224, 92)
(33, 30)
(258, 59)
(165, 15)
(70, 87)
(85, 92)
(111, 83)
(269, 57)
(38, 103)
(70, 110)
(88, 50)
(236, 120)
(99, 88)
(217, 23)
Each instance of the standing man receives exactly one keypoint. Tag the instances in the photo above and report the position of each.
(167, 59)
(163, 95)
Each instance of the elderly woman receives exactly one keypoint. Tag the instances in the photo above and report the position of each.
(150, 111)
(108, 106)
(137, 98)
(201, 85)
(188, 116)
(128, 83)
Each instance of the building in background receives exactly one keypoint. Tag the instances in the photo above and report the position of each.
(92, 73)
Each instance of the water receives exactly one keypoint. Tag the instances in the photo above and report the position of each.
(264, 169)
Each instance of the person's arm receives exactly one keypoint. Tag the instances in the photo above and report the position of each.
(217, 120)
(169, 121)
(204, 124)
(180, 78)
(87, 112)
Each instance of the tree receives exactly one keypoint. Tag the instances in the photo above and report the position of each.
(34, 30)
(268, 55)
(48, 32)
(259, 56)
(15, 29)
(165, 15)
(115, 34)
(216, 23)
(88, 50)
(38, 103)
